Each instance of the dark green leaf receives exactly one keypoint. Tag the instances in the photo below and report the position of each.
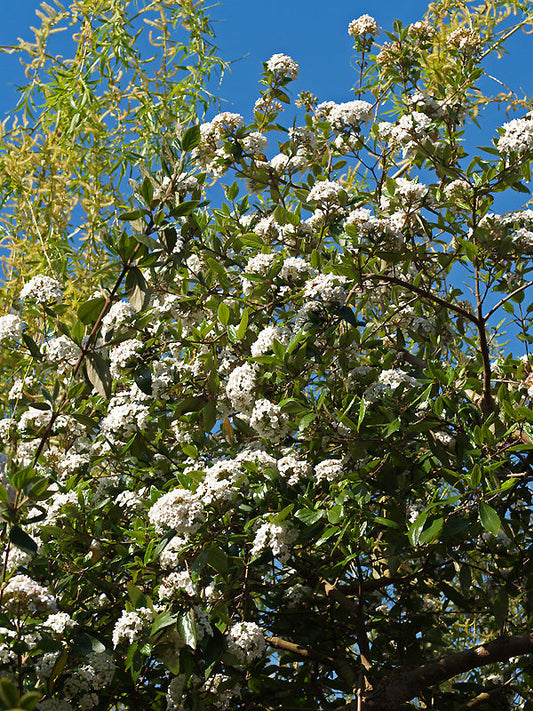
(22, 540)
(99, 374)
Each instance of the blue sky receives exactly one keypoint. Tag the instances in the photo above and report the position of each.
(249, 32)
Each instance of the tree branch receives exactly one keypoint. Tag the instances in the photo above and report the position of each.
(405, 684)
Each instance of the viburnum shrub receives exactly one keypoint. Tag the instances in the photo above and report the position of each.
(281, 458)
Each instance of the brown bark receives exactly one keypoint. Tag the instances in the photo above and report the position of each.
(393, 691)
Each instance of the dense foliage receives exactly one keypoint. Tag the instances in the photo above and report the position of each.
(273, 452)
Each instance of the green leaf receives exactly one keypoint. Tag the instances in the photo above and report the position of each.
(415, 529)
(184, 208)
(22, 540)
(190, 139)
(32, 347)
(84, 644)
(187, 628)
(8, 693)
(431, 533)
(99, 374)
(161, 621)
(309, 516)
(57, 669)
(346, 313)
(136, 595)
(133, 215)
(223, 313)
(137, 289)
(30, 700)
(90, 310)
(489, 518)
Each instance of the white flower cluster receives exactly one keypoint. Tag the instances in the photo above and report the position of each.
(130, 625)
(220, 482)
(305, 140)
(118, 315)
(169, 556)
(456, 189)
(255, 143)
(363, 26)
(523, 238)
(123, 355)
(266, 337)
(174, 584)
(23, 596)
(295, 268)
(43, 290)
(278, 537)
(410, 130)
(33, 418)
(465, 38)
(325, 192)
(60, 622)
(268, 421)
(223, 688)
(346, 117)
(517, 135)
(283, 66)
(10, 328)
(178, 509)
(241, 387)
(388, 382)
(408, 193)
(329, 470)
(209, 155)
(293, 469)
(349, 115)
(282, 163)
(246, 641)
(123, 417)
(326, 287)
(260, 265)
(63, 352)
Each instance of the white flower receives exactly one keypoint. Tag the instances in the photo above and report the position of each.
(246, 641)
(325, 191)
(123, 355)
(388, 381)
(349, 115)
(517, 135)
(283, 65)
(59, 622)
(278, 537)
(255, 143)
(23, 596)
(118, 315)
(169, 556)
(178, 509)
(130, 625)
(327, 287)
(293, 468)
(329, 469)
(241, 387)
(42, 289)
(363, 26)
(174, 583)
(268, 421)
(294, 268)
(63, 352)
(10, 328)
(266, 337)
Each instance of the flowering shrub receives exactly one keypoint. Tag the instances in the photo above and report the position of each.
(280, 458)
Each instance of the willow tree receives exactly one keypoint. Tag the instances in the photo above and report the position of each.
(282, 459)
(105, 84)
